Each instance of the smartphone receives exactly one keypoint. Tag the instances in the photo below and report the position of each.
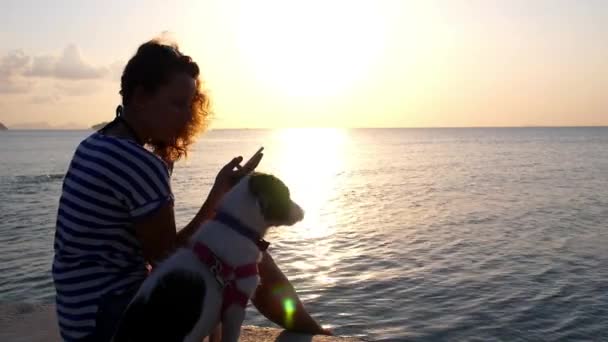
(250, 161)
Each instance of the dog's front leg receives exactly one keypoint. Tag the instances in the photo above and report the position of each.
(232, 321)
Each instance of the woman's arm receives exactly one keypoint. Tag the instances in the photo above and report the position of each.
(277, 299)
(157, 233)
(205, 213)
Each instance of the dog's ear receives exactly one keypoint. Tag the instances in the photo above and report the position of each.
(272, 195)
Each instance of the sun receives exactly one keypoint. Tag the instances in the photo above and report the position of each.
(309, 48)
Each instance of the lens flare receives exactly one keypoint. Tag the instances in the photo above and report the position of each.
(289, 306)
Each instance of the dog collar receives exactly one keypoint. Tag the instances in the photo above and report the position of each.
(242, 229)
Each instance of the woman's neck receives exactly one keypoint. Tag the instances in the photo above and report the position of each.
(127, 127)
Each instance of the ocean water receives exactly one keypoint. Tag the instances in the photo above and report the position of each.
(410, 234)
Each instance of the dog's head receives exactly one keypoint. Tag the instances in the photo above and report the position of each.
(262, 200)
(274, 201)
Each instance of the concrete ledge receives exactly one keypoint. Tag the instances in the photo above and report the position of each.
(37, 323)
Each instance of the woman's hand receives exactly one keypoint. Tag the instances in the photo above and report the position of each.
(228, 176)
(327, 332)
(232, 173)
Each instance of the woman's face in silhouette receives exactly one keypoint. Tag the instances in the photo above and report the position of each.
(166, 112)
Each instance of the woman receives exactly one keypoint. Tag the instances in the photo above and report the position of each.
(116, 212)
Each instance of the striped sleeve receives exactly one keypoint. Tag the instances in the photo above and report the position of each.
(138, 178)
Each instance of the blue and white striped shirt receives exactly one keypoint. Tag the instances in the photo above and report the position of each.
(111, 182)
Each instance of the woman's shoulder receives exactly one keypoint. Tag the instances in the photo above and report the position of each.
(121, 149)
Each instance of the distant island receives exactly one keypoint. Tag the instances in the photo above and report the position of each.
(99, 125)
(44, 126)
(2, 127)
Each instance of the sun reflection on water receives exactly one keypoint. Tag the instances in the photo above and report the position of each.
(310, 161)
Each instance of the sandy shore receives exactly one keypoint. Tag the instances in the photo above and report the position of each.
(36, 323)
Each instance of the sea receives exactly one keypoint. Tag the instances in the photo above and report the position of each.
(468, 234)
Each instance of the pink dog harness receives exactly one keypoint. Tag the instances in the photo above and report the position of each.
(224, 274)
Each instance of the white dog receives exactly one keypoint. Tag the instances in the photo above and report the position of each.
(213, 278)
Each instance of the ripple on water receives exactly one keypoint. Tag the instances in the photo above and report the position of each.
(462, 235)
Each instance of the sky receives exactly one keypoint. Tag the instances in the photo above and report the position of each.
(313, 63)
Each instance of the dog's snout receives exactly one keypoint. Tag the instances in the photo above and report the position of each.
(297, 213)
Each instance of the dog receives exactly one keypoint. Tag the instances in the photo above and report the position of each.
(212, 279)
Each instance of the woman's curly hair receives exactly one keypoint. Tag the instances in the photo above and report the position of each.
(152, 66)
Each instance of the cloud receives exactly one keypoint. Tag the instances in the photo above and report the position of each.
(13, 63)
(116, 70)
(43, 99)
(70, 65)
(42, 66)
(22, 74)
(14, 86)
(81, 88)
(12, 66)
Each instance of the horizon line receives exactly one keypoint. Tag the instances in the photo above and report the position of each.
(333, 127)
